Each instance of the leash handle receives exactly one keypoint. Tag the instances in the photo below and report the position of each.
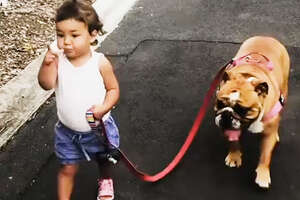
(94, 124)
(91, 120)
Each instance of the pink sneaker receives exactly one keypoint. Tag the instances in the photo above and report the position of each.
(106, 189)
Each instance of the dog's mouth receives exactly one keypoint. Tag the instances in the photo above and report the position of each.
(230, 123)
(227, 118)
(232, 135)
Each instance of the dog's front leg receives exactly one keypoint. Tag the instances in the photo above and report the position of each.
(263, 178)
(234, 157)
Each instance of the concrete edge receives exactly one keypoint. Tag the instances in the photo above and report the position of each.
(22, 96)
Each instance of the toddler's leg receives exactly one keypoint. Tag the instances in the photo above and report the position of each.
(105, 182)
(105, 169)
(65, 184)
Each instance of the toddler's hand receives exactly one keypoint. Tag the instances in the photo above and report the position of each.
(98, 111)
(50, 58)
(52, 54)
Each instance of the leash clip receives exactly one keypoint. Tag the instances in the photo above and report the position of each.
(111, 159)
(281, 99)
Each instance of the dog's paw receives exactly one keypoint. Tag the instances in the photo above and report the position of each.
(263, 178)
(234, 159)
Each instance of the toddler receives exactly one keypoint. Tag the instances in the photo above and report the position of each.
(83, 80)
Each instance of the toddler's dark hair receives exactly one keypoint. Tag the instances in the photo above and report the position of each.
(82, 11)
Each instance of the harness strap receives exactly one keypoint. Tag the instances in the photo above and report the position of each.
(277, 108)
(247, 58)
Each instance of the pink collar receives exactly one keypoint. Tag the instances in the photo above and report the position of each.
(269, 65)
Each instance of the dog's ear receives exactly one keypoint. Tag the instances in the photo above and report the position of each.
(262, 89)
(225, 77)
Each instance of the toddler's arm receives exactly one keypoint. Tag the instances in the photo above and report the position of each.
(112, 89)
(48, 72)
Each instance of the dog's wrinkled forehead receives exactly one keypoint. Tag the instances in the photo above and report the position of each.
(234, 94)
(243, 93)
(236, 86)
(230, 91)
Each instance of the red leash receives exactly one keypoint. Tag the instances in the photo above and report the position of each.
(187, 143)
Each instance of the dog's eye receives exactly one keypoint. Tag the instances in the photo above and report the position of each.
(240, 110)
(220, 104)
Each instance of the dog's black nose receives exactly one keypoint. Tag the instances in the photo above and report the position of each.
(226, 120)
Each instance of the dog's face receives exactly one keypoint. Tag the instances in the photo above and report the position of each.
(239, 101)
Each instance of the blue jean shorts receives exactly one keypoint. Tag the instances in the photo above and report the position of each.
(72, 147)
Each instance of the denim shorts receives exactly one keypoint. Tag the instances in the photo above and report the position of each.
(72, 147)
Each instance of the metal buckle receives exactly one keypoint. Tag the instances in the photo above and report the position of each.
(281, 99)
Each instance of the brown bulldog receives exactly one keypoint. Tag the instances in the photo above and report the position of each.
(250, 97)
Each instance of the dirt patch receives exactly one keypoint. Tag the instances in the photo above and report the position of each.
(26, 28)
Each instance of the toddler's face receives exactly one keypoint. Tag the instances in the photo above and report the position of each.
(73, 37)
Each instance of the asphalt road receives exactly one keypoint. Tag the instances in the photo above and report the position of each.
(165, 56)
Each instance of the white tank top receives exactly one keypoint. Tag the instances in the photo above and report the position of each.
(78, 88)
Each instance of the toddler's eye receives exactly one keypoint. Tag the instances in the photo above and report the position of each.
(60, 35)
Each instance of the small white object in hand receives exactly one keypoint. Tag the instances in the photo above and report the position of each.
(53, 47)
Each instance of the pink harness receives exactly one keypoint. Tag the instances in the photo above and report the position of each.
(247, 59)
(269, 65)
